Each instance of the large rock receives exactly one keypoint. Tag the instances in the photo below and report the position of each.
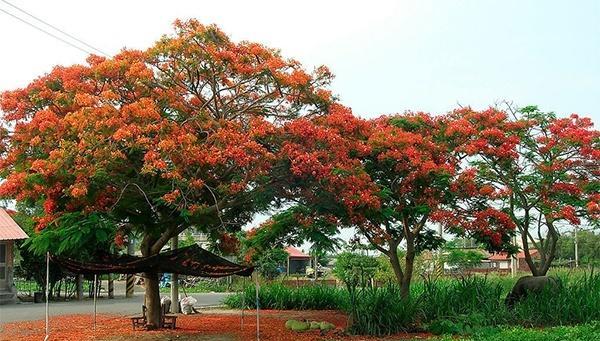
(529, 284)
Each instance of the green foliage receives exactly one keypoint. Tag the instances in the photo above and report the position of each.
(278, 296)
(270, 262)
(470, 306)
(380, 311)
(463, 259)
(588, 244)
(75, 234)
(576, 302)
(455, 299)
(428, 240)
(356, 268)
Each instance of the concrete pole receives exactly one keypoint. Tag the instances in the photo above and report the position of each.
(174, 280)
(130, 278)
(439, 271)
(576, 249)
(513, 261)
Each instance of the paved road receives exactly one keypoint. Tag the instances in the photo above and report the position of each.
(118, 305)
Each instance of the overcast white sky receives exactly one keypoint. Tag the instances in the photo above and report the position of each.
(388, 56)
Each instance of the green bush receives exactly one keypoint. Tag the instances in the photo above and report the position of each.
(472, 305)
(577, 301)
(278, 296)
(355, 268)
(380, 311)
(468, 296)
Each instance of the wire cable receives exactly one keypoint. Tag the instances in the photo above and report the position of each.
(53, 27)
(46, 32)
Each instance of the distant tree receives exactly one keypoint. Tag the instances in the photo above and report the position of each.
(463, 259)
(355, 268)
(386, 178)
(540, 169)
(270, 262)
(588, 244)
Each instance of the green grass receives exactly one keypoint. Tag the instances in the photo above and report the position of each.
(584, 332)
(460, 306)
(279, 296)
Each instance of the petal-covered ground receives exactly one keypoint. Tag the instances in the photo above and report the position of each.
(222, 326)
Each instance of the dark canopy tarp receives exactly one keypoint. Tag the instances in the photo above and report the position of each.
(192, 260)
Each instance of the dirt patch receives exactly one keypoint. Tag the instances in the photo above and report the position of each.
(209, 325)
(168, 337)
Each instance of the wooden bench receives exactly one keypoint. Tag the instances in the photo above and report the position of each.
(167, 320)
(139, 321)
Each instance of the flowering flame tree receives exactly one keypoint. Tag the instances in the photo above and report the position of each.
(387, 178)
(156, 141)
(542, 170)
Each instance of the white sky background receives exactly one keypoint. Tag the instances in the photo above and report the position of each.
(388, 56)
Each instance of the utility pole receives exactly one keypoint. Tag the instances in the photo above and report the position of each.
(576, 249)
(513, 261)
(440, 263)
(130, 278)
(174, 280)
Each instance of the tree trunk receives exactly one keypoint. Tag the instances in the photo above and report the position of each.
(548, 250)
(408, 267)
(174, 281)
(79, 286)
(152, 300)
(395, 262)
(151, 286)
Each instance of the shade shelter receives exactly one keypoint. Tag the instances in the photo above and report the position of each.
(9, 233)
(192, 260)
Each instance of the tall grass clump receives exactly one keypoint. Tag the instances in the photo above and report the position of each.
(380, 311)
(279, 296)
(575, 301)
(472, 298)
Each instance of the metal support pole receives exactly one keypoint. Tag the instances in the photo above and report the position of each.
(243, 303)
(47, 294)
(257, 310)
(95, 297)
(175, 280)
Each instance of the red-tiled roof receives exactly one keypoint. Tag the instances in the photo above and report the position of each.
(9, 230)
(293, 252)
(505, 256)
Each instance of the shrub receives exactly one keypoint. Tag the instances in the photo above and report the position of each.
(355, 268)
(278, 296)
(455, 299)
(380, 311)
(577, 301)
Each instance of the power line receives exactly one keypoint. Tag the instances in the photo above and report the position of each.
(48, 33)
(53, 27)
